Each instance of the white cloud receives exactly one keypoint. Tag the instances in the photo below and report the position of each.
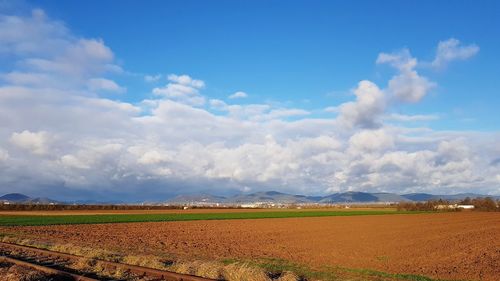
(28, 78)
(401, 60)
(31, 35)
(371, 140)
(35, 142)
(451, 50)
(331, 109)
(152, 78)
(72, 161)
(256, 112)
(101, 84)
(412, 118)
(186, 80)
(365, 112)
(4, 155)
(408, 85)
(281, 113)
(218, 104)
(48, 55)
(183, 89)
(238, 95)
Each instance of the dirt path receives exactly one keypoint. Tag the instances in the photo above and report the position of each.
(449, 245)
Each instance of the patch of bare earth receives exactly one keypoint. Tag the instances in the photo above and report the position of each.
(462, 245)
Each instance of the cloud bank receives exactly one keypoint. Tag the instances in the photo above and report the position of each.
(61, 137)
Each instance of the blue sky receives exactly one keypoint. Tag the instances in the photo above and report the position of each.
(396, 96)
(315, 51)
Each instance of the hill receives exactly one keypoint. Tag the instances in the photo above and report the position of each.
(14, 197)
(24, 199)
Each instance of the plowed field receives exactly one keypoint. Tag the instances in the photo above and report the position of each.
(462, 245)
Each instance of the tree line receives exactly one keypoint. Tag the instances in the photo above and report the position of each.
(480, 204)
(76, 207)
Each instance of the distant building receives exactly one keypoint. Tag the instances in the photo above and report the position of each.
(454, 206)
(248, 205)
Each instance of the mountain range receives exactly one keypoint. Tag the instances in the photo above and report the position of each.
(24, 199)
(263, 197)
(344, 197)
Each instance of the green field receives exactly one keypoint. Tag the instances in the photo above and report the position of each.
(27, 220)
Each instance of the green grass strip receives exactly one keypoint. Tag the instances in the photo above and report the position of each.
(30, 220)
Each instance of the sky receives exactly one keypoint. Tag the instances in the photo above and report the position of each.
(140, 101)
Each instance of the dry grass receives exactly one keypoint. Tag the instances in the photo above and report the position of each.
(207, 269)
(66, 248)
(144, 260)
(288, 276)
(244, 272)
(212, 270)
(86, 252)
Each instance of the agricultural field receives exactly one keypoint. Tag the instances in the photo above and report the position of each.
(44, 219)
(314, 244)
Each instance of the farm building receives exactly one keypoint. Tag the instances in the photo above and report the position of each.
(454, 206)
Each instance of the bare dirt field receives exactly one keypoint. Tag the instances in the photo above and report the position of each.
(464, 245)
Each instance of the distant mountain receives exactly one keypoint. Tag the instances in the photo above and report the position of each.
(344, 197)
(351, 196)
(95, 202)
(262, 197)
(418, 196)
(271, 196)
(24, 199)
(450, 197)
(390, 197)
(14, 197)
(460, 196)
(205, 198)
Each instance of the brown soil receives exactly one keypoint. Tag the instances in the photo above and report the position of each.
(463, 245)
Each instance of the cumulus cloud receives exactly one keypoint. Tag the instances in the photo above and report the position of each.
(71, 161)
(48, 55)
(256, 112)
(101, 84)
(182, 88)
(451, 50)
(31, 35)
(408, 85)
(76, 142)
(238, 95)
(371, 140)
(366, 111)
(35, 142)
(401, 60)
(186, 80)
